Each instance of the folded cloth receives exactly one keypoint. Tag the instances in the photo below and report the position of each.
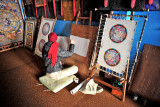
(91, 87)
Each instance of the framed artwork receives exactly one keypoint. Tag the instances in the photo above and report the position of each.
(29, 33)
(46, 27)
(11, 25)
(116, 44)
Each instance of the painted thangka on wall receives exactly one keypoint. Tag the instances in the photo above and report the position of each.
(11, 25)
(116, 45)
(46, 27)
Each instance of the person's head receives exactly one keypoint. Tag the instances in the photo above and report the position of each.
(52, 37)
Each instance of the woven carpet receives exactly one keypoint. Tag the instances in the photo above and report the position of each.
(19, 73)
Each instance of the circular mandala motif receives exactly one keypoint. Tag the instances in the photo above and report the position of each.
(45, 29)
(112, 57)
(41, 44)
(118, 33)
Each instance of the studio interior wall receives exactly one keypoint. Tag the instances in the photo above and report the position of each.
(151, 33)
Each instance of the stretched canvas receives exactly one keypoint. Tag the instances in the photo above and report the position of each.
(64, 42)
(29, 33)
(11, 25)
(116, 44)
(46, 27)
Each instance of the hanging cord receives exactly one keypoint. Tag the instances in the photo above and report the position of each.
(54, 7)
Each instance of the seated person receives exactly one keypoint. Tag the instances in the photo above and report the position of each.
(52, 54)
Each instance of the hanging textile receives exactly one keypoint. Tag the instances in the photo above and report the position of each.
(105, 3)
(150, 2)
(61, 8)
(44, 4)
(54, 7)
(40, 3)
(70, 8)
(11, 25)
(133, 3)
(74, 8)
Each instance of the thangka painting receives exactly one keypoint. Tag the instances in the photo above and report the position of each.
(46, 27)
(116, 45)
(29, 33)
(11, 25)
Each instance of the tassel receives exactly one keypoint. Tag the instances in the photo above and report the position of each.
(133, 3)
(150, 2)
(54, 7)
(105, 3)
(74, 8)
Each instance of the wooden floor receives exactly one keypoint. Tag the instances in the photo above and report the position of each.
(19, 73)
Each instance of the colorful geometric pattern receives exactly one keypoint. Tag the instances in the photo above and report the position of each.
(112, 57)
(45, 28)
(118, 33)
(11, 24)
(116, 41)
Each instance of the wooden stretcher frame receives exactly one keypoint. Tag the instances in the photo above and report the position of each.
(95, 69)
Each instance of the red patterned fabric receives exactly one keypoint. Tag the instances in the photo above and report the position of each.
(105, 3)
(52, 54)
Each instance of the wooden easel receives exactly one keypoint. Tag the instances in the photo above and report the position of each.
(84, 18)
(95, 69)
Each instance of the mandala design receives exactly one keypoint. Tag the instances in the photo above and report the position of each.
(112, 57)
(118, 33)
(45, 28)
(41, 44)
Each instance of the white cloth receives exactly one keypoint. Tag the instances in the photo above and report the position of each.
(91, 88)
(63, 73)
